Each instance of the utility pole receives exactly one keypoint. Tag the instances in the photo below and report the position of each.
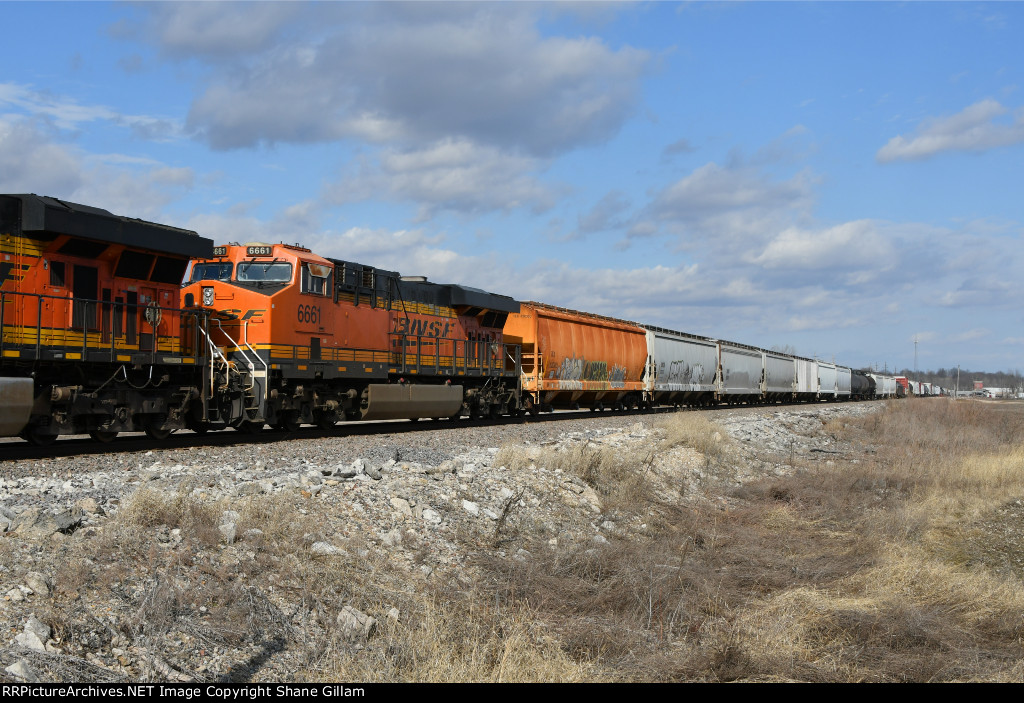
(957, 381)
(915, 354)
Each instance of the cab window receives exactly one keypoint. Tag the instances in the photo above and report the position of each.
(316, 279)
(273, 271)
(220, 271)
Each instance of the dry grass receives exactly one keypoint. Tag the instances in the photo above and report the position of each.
(148, 508)
(619, 475)
(449, 636)
(874, 567)
(860, 569)
(695, 430)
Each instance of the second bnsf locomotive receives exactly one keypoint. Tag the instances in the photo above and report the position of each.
(93, 337)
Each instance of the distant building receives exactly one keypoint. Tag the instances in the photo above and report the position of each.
(998, 392)
(979, 385)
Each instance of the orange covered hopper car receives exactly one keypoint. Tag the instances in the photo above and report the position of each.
(573, 359)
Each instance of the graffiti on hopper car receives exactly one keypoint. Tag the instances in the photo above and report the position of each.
(683, 372)
(572, 372)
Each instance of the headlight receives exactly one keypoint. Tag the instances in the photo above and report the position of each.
(207, 295)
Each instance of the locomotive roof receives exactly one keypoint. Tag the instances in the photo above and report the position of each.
(477, 298)
(39, 213)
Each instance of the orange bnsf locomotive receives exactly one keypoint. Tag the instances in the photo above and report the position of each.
(93, 338)
(315, 340)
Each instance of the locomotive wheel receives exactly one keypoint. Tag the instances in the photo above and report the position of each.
(103, 436)
(250, 427)
(289, 422)
(33, 436)
(154, 429)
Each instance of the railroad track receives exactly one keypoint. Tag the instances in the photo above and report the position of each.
(14, 449)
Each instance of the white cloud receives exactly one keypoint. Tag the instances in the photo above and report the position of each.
(30, 161)
(213, 29)
(971, 335)
(67, 113)
(715, 201)
(450, 174)
(984, 291)
(972, 129)
(851, 245)
(608, 213)
(398, 71)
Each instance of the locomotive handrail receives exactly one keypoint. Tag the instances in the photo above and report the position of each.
(91, 325)
(248, 363)
(488, 358)
(266, 368)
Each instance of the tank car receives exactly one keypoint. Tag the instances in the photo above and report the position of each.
(94, 339)
(862, 387)
(316, 340)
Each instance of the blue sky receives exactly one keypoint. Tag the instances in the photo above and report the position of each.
(839, 178)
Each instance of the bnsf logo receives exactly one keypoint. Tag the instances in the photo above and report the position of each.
(422, 328)
(235, 314)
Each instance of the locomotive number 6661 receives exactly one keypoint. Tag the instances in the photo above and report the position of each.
(309, 314)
